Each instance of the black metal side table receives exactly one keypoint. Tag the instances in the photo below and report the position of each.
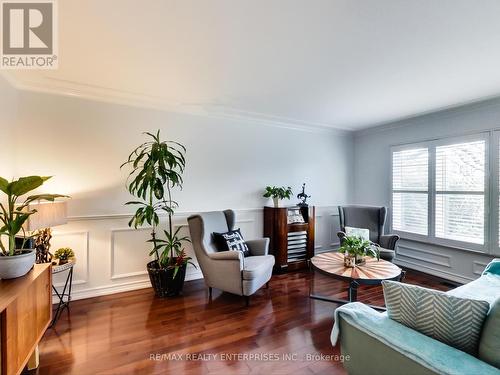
(65, 296)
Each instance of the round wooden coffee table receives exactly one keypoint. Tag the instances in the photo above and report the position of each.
(372, 272)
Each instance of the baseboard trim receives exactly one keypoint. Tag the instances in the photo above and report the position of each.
(118, 288)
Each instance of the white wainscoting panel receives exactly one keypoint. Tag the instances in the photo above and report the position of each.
(111, 257)
(327, 226)
(129, 252)
(450, 263)
(78, 241)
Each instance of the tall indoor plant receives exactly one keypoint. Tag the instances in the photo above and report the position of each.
(157, 168)
(14, 261)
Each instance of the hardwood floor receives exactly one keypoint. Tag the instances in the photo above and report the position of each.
(128, 333)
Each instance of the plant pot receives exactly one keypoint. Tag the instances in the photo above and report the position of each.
(276, 202)
(17, 265)
(360, 259)
(349, 260)
(163, 282)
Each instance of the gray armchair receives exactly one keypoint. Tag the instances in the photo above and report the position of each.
(229, 271)
(371, 218)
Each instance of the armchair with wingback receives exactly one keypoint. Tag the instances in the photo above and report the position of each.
(229, 271)
(371, 218)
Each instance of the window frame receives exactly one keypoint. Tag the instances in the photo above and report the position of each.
(494, 193)
(412, 146)
(489, 220)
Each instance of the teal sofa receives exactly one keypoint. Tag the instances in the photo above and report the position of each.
(373, 344)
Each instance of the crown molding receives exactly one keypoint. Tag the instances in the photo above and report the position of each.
(97, 93)
(67, 88)
(436, 114)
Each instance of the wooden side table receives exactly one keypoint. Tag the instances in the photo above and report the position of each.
(372, 272)
(65, 296)
(292, 244)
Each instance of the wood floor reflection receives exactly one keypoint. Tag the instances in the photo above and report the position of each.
(128, 333)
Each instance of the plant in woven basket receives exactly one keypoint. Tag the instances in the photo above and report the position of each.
(64, 254)
(157, 168)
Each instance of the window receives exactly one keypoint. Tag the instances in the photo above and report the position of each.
(439, 191)
(460, 175)
(410, 190)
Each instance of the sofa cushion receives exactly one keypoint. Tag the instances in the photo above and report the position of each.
(484, 288)
(362, 233)
(489, 344)
(231, 241)
(452, 320)
(257, 265)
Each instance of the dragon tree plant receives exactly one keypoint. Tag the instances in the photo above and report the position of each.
(157, 168)
(14, 214)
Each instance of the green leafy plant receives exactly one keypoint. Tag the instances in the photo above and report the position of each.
(354, 245)
(278, 192)
(157, 168)
(14, 214)
(64, 253)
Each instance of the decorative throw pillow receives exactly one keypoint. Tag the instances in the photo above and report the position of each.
(452, 320)
(493, 267)
(231, 241)
(358, 232)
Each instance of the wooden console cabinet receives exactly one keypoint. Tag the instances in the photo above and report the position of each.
(291, 244)
(26, 312)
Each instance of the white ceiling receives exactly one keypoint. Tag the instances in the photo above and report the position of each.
(339, 63)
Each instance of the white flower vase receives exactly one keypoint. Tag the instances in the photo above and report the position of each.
(276, 202)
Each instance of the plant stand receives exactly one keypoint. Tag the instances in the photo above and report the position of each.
(64, 297)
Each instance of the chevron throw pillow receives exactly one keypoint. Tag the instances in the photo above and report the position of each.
(452, 320)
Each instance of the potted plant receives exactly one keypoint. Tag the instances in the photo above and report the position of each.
(355, 249)
(16, 262)
(64, 254)
(277, 193)
(157, 168)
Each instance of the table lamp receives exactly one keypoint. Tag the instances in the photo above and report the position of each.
(48, 215)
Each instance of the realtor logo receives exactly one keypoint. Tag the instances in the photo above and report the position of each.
(29, 35)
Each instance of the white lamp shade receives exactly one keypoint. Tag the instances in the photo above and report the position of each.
(49, 214)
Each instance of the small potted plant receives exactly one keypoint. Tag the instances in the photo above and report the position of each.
(64, 254)
(157, 168)
(355, 249)
(278, 194)
(14, 261)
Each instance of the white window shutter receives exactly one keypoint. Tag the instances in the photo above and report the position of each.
(410, 190)
(460, 191)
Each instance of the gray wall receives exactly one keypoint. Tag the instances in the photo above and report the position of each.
(83, 142)
(8, 111)
(372, 179)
